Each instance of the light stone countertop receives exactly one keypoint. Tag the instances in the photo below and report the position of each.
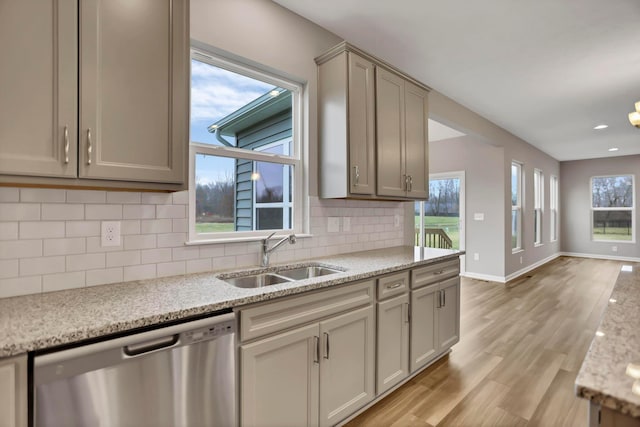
(36, 322)
(602, 377)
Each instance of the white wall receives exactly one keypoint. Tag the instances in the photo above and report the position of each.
(484, 180)
(575, 196)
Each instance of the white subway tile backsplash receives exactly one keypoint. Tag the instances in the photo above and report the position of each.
(62, 211)
(171, 268)
(9, 268)
(19, 212)
(140, 272)
(104, 276)
(42, 195)
(139, 211)
(140, 241)
(41, 265)
(8, 230)
(82, 228)
(9, 194)
(86, 196)
(119, 259)
(50, 239)
(41, 229)
(12, 249)
(59, 282)
(124, 197)
(171, 211)
(69, 246)
(103, 212)
(85, 262)
(20, 286)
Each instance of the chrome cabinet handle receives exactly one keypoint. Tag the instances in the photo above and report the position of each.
(406, 182)
(394, 286)
(89, 148)
(435, 273)
(444, 298)
(408, 315)
(326, 346)
(357, 174)
(66, 144)
(410, 183)
(439, 300)
(316, 356)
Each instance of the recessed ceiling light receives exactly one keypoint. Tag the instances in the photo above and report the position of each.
(613, 149)
(601, 127)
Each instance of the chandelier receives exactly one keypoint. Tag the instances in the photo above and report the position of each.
(634, 117)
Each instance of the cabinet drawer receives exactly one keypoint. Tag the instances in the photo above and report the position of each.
(434, 273)
(394, 284)
(275, 316)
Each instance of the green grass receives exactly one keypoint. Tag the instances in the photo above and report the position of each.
(213, 227)
(448, 223)
(611, 233)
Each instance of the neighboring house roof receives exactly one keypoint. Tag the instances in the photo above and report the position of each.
(254, 112)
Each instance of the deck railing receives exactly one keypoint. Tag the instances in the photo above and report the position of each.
(434, 238)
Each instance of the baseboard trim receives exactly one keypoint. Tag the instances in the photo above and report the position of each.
(486, 277)
(597, 256)
(533, 266)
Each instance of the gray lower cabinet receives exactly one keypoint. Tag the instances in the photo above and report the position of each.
(13, 392)
(393, 342)
(131, 128)
(449, 313)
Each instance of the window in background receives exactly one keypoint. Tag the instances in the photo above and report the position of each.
(612, 208)
(553, 207)
(516, 206)
(246, 168)
(538, 205)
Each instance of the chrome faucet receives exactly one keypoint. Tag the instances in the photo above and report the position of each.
(266, 250)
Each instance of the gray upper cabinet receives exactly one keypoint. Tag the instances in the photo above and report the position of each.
(105, 104)
(38, 81)
(373, 128)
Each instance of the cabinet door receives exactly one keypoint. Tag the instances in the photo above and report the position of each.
(424, 326)
(449, 314)
(38, 87)
(390, 127)
(347, 368)
(361, 125)
(417, 140)
(279, 380)
(134, 89)
(13, 392)
(393, 342)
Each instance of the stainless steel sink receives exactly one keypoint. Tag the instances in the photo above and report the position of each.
(302, 273)
(256, 280)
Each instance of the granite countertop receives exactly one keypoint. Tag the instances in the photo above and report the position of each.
(35, 322)
(602, 377)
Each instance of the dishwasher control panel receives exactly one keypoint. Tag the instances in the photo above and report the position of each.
(209, 332)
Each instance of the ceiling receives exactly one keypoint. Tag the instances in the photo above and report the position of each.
(548, 71)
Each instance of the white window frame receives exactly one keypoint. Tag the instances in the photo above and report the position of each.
(553, 208)
(538, 205)
(517, 207)
(632, 209)
(295, 159)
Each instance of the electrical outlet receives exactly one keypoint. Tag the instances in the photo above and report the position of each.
(110, 233)
(614, 248)
(333, 224)
(476, 256)
(396, 221)
(346, 223)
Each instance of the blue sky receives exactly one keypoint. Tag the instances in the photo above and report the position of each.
(215, 93)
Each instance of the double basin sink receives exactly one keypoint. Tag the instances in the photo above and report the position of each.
(279, 275)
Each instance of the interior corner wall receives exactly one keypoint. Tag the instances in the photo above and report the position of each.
(264, 33)
(484, 180)
(575, 206)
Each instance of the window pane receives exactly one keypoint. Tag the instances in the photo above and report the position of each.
(612, 225)
(515, 172)
(227, 108)
(515, 228)
(241, 195)
(612, 191)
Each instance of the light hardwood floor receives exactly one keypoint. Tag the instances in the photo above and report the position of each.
(520, 350)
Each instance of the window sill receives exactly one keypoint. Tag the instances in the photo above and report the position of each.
(516, 251)
(632, 242)
(537, 245)
(240, 239)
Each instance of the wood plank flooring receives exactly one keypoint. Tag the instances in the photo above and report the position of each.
(520, 350)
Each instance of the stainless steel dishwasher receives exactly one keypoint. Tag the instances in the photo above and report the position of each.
(181, 375)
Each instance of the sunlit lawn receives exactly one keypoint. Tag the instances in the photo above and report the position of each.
(611, 233)
(213, 227)
(448, 223)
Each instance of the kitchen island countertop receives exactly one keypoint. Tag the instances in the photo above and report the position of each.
(41, 321)
(602, 378)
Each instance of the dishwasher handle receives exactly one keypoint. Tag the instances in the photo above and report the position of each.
(134, 350)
